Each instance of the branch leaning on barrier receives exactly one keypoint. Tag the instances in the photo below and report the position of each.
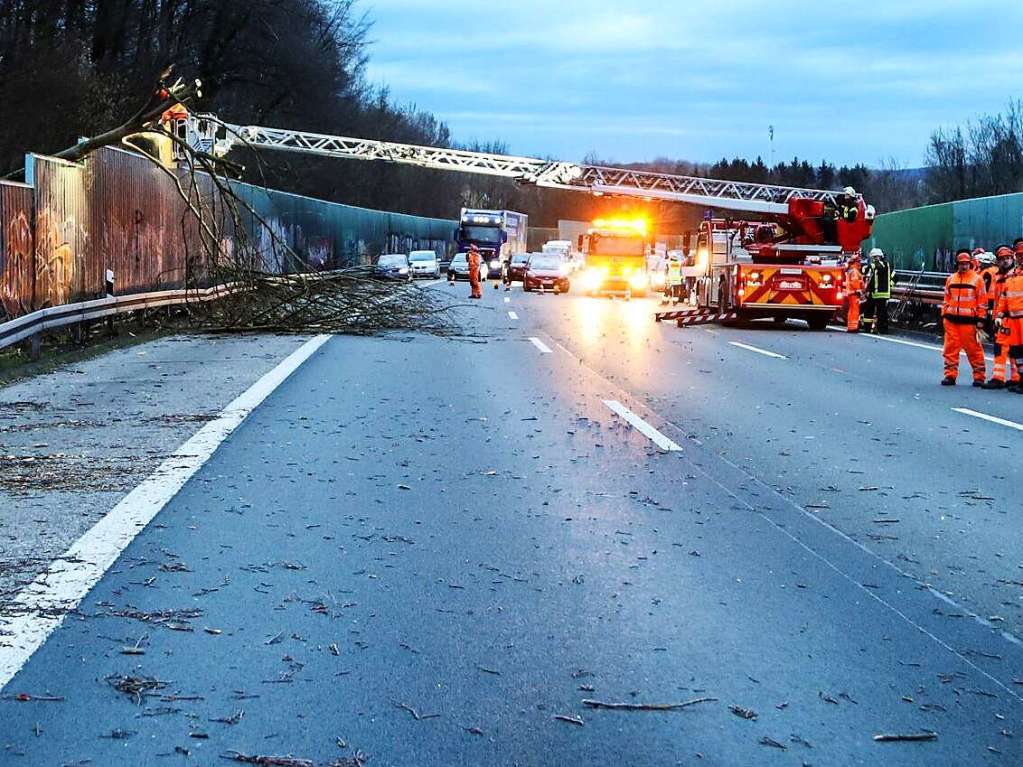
(238, 258)
(275, 288)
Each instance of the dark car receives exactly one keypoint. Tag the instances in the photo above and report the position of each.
(458, 269)
(546, 272)
(517, 267)
(393, 266)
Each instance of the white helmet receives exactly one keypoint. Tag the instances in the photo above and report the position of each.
(849, 191)
(986, 258)
(876, 253)
(870, 213)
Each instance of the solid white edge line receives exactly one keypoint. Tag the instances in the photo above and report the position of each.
(513, 315)
(40, 607)
(991, 418)
(544, 348)
(642, 426)
(900, 341)
(749, 348)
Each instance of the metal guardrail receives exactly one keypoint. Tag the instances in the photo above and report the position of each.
(55, 317)
(921, 287)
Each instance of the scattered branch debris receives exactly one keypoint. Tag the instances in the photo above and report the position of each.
(743, 713)
(645, 706)
(137, 687)
(576, 720)
(415, 714)
(267, 761)
(913, 736)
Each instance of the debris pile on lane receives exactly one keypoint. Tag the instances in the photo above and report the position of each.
(344, 301)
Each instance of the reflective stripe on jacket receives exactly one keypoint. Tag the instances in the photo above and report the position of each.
(1010, 298)
(881, 280)
(965, 298)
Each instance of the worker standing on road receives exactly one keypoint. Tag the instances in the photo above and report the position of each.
(854, 290)
(1004, 367)
(1009, 313)
(474, 272)
(879, 290)
(963, 312)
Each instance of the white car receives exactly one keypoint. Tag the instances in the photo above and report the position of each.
(424, 263)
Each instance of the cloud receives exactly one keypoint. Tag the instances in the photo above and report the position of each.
(703, 78)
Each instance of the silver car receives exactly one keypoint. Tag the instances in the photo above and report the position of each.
(424, 263)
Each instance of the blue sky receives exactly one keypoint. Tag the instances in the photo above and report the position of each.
(698, 79)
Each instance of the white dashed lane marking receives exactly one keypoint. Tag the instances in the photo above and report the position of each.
(766, 353)
(641, 426)
(544, 348)
(513, 315)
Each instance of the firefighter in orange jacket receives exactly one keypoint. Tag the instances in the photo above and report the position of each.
(854, 290)
(1004, 367)
(1009, 314)
(474, 272)
(963, 312)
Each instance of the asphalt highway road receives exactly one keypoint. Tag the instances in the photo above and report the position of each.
(453, 551)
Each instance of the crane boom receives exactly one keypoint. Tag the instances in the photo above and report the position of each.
(730, 195)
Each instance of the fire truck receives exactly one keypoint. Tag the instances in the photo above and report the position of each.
(787, 266)
(780, 261)
(616, 258)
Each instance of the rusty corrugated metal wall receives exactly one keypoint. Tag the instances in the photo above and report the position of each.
(17, 248)
(117, 211)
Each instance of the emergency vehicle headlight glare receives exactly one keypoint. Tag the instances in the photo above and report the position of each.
(637, 281)
(494, 264)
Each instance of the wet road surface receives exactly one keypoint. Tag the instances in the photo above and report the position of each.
(474, 551)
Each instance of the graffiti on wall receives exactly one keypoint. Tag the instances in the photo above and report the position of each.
(54, 263)
(17, 277)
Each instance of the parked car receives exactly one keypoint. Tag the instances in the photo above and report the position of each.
(424, 263)
(564, 249)
(517, 267)
(393, 266)
(458, 269)
(546, 272)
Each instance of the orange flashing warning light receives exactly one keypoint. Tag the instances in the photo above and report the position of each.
(638, 225)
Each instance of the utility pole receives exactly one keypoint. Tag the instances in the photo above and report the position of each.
(770, 132)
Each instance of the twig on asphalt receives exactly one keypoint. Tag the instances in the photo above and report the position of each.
(743, 713)
(233, 719)
(576, 720)
(24, 697)
(136, 686)
(913, 736)
(766, 741)
(645, 706)
(415, 714)
(267, 761)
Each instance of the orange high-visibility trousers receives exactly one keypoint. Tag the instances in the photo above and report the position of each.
(963, 338)
(852, 317)
(1005, 370)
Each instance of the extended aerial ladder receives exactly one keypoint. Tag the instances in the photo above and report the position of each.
(215, 137)
(809, 221)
